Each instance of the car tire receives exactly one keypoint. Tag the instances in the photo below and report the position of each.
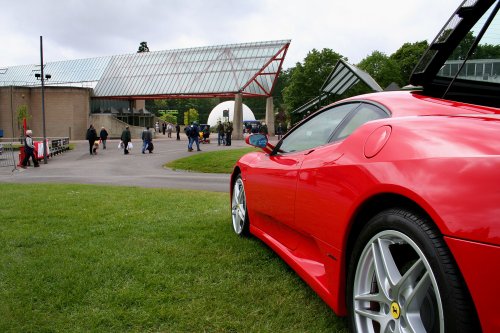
(239, 212)
(404, 278)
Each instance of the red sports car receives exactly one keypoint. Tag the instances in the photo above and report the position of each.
(388, 204)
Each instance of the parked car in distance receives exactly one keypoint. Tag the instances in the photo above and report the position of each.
(251, 126)
(387, 204)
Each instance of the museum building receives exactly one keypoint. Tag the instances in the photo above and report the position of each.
(111, 91)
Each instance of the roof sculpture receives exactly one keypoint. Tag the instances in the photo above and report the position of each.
(215, 71)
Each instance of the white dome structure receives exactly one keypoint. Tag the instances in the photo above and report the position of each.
(217, 113)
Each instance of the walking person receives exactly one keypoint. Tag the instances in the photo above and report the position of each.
(103, 135)
(194, 136)
(178, 131)
(147, 138)
(126, 138)
(29, 151)
(279, 131)
(170, 128)
(220, 133)
(263, 129)
(163, 127)
(228, 128)
(91, 137)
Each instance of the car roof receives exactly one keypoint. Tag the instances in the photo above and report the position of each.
(415, 103)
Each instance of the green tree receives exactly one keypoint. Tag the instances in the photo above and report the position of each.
(143, 47)
(169, 118)
(190, 116)
(203, 105)
(22, 113)
(156, 105)
(407, 57)
(382, 69)
(257, 105)
(487, 51)
(463, 48)
(304, 81)
(281, 82)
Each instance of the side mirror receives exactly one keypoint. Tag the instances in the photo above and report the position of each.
(260, 141)
(257, 140)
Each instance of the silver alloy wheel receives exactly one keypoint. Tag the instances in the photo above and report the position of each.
(395, 289)
(239, 206)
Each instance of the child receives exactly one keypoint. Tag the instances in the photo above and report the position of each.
(96, 146)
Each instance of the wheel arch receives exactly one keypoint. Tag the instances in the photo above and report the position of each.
(385, 201)
(368, 209)
(375, 205)
(234, 174)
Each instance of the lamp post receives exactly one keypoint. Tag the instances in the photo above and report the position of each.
(43, 77)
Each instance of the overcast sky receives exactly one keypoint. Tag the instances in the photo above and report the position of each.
(75, 29)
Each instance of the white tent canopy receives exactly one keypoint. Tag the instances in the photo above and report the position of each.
(217, 113)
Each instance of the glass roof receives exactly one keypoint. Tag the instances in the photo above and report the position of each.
(250, 68)
(82, 72)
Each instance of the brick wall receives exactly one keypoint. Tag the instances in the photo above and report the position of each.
(67, 111)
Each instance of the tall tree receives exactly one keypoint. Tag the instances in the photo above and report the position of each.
(190, 116)
(305, 80)
(407, 57)
(381, 68)
(281, 83)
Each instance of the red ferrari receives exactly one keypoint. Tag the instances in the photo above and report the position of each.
(388, 204)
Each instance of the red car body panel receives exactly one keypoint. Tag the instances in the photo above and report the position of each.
(478, 266)
(443, 156)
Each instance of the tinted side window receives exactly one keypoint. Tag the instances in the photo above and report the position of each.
(316, 131)
(363, 114)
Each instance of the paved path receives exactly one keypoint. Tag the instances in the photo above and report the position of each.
(112, 167)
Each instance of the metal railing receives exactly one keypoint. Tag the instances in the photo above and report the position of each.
(7, 155)
(9, 149)
(58, 145)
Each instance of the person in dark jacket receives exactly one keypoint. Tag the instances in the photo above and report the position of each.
(147, 138)
(228, 129)
(29, 151)
(178, 131)
(103, 135)
(220, 134)
(126, 138)
(91, 137)
(263, 129)
(194, 136)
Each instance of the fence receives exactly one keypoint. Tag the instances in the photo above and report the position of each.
(57, 146)
(9, 149)
(7, 155)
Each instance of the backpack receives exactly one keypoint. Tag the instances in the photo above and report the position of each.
(188, 130)
(194, 131)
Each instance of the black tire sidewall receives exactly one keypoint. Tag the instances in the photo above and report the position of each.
(425, 235)
(245, 229)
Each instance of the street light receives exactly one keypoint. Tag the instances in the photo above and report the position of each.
(40, 76)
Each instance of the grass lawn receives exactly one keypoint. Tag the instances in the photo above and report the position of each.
(80, 258)
(221, 161)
